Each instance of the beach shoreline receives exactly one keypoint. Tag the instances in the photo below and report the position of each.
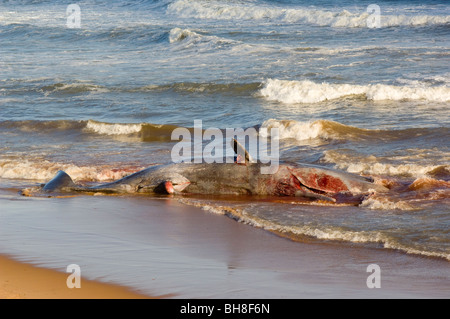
(138, 247)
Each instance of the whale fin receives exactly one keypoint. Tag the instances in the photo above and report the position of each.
(60, 181)
(241, 152)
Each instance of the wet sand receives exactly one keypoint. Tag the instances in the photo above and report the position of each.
(161, 247)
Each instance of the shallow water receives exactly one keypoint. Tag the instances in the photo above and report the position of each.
(159, 246)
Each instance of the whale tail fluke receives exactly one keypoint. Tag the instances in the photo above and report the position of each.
(61, 181)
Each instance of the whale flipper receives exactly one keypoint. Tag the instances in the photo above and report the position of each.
(61, 181)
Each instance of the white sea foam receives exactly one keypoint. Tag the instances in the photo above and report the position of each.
(215, 209)
(191, 38)
(10, 100)
(310, 92)
(322, 129)
(337, 233)
(177, 34)
(323, 232)
(297, 130)
(45, 170)
(73, 88)
(385, 204)
(420, 80)
(344, 19)
(370, 165)
(113, 128)
(414, 170)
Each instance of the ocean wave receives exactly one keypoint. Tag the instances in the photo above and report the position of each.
(323, 129)
(42, 126)
(332, 130)
(370, 165)
(191, 39)
(146, 132)
(306, 91)
(113, 128)
(72, 88)
(206, 87)
(333, 233)
(386, 204)
(321, 232)
(421, 80)
(44, 85)
(45, 170)
(427, 182)
(342, 19)
(178, 34)
(54, 86)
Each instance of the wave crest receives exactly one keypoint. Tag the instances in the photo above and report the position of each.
(321, 232)
(72, 88)
(323, 129)
(113, 128)
(45, 170)
(370, 165)
(340, 19)
(188, 38)
(290, 92)
(146, 132)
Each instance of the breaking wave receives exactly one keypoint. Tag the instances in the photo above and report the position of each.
(284, 91)
(341, 19)
(331, 130)
(323, 129)
(113, 128)
(370, 165)
(147, 132)
(321, 232)
(45, 126)
(386, 204)
(49, 87)
(190, 38)
(178, 34)
(45, 170)
(309, 92)
(72, 88)
(207, 88)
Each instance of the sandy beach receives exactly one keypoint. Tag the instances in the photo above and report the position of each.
(161, 247)
(24, 281)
